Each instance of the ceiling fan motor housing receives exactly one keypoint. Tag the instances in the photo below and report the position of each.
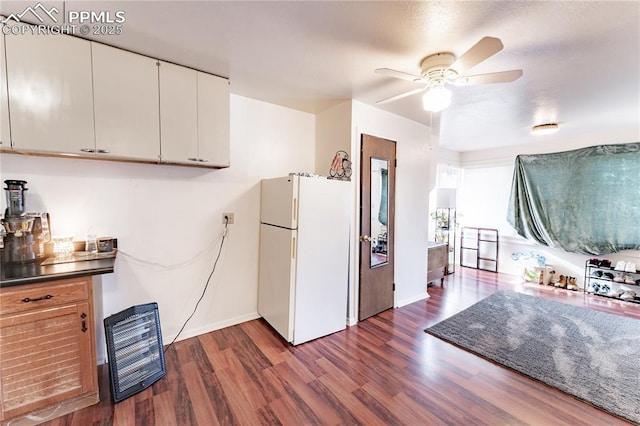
(435, 68)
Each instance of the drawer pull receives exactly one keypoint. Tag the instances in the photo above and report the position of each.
(84, 322)
(27, 300)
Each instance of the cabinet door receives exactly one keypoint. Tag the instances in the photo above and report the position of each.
(213, 120)
(50, 92)
(126, 104)
(47, 357)
(178, 114)
(5, 136)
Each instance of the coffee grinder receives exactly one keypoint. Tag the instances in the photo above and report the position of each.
(20, 243)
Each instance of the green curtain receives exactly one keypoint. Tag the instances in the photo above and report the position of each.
(583, 201)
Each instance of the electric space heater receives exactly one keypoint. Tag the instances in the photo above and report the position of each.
(134, 347)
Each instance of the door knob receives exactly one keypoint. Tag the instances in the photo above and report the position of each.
(365, 238)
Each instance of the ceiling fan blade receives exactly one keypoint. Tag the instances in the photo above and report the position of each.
(401, 95)
(397, 74)
(492, 77)
(485, 48)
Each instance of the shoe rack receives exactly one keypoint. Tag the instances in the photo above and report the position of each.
(620, 281)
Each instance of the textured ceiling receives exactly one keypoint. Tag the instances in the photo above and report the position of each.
(581, 60)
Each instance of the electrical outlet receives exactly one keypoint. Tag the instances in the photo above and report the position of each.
(228, 215)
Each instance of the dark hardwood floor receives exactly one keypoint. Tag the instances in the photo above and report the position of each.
(384, 371)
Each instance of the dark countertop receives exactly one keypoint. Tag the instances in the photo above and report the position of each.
(50, 269)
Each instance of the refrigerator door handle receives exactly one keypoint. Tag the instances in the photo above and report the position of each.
(293, 248)
(295, 209)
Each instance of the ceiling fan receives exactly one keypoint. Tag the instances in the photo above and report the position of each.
(444, 68)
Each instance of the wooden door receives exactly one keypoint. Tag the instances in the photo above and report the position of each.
(377, 208)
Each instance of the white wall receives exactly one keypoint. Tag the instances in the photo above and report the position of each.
(333, 133)
(412, 190)
(168, 219)
(484, 196)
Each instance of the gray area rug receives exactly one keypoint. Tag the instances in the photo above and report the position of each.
(592, 355)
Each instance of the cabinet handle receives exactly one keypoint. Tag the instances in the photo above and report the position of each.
(192, 159)
(27, 300)
(198, 160)
(103, 151)
(89, 150)
(84, 322)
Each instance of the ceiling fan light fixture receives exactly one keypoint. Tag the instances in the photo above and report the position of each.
(436, 99)
(544, 129)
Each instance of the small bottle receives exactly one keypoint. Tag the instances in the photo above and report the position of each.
(91, 244)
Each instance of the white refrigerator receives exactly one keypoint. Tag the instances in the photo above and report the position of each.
(304, 256)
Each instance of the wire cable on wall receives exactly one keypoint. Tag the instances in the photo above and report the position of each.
(157, 265)
(204, 290)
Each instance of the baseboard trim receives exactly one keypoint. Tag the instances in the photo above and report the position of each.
(212, 327)
(410, 300)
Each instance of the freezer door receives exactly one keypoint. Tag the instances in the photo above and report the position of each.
(322, 271)
(279, 202)
(276, 274)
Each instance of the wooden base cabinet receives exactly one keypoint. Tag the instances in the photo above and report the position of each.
(47, 348)
(437, 260)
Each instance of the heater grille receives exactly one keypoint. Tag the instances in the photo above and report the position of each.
(134, 346)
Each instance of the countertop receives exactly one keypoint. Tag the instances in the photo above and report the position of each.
(434, 244)
(54, 269)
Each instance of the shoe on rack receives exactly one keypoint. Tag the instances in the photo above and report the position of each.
(628, 280)
(618, 278)
(593, 288)
(604, 263)
(630, 267)
(615, 293)
(620, 266)
(594, 261)
(608, 275)
(628, 295)
(604, 289)
(597, 273)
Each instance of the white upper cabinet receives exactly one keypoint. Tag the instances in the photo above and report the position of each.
(213, 119)
(50, 93)
(65, 95)
(126, 104)
(5, 135)
(194, 117)
(178, 114)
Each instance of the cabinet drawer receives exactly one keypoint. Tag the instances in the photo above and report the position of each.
(37, 296)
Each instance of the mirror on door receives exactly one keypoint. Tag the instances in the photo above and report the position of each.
(379, 210)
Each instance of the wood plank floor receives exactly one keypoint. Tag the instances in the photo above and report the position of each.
(383, 371)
